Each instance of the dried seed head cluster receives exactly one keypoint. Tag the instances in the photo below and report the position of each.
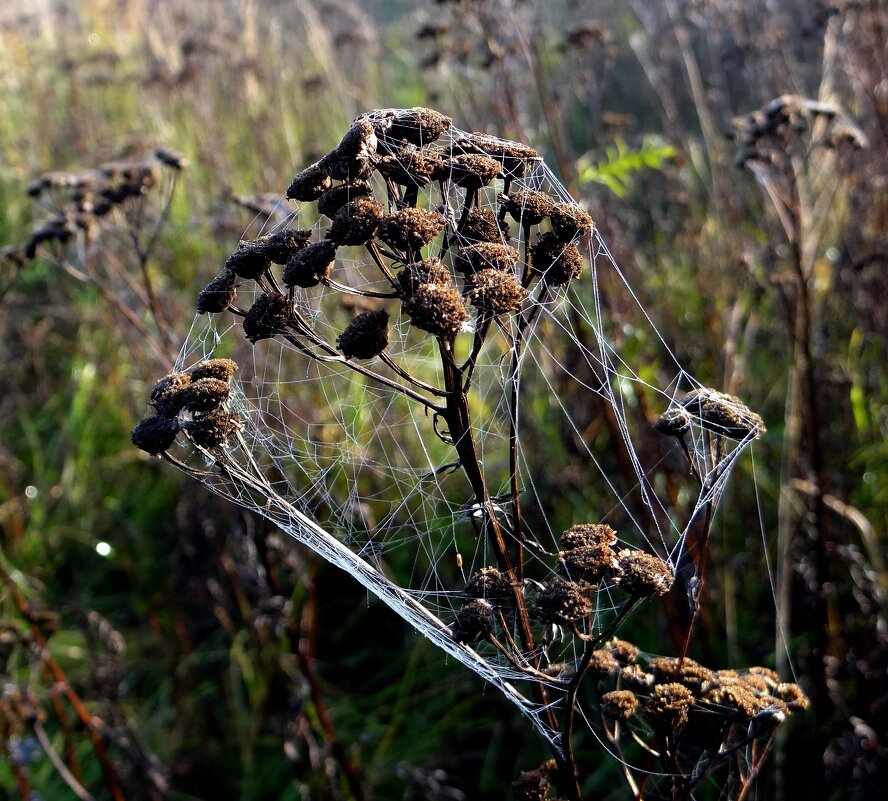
(474, 621)
(410, 229)
(643, 574)
(437, 309)
(194, 401)
(495, 291)
(560, 602)
(723, 414)
(489, 583)
(485, 256)
(366, 336)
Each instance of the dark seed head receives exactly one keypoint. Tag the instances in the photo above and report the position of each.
(412, 167)
(205, 394)
(482, 225)
(155, 434)
(334, 199)
(588, 564)
(173, 381)
(366, 336)
(619, 705)
(418, 126)
(356, 222)
(213, 429)
(644, 574)
(668, 706)
(219, 294)
(673, 422)
(527, 208)
(474, 621)
(437, 309)
(309, 184)
(250, 260)
(353, 157)
(587, 534)
(430, 271)
(560, 263)
(624, 652)
(310, 266)
(410, 229)
(221, 369)
(534, 785)
(471, 171)
(484, 256)
(514, 159)
(170, 158)
(568, 220)
(602, 663)
(723, 414)
(282, 246)
(495, 291)
(490, 584)
(563, 602)
(267, 317)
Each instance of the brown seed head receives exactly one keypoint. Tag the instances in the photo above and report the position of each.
(213, 429)
(474, 621)
(170, 158)
(643, 574)
(437, 309)
(514, 159)
(624, 652)
(410, 229)
(173, 381)
(430, 271)
(602, 663)
(267, 317)
(412, 167)
(482, 225)
(793, 696)
(673, 422)
(485, 256)
(205, 394)
(587, 534)
(569, 220)
(334, 199)
(250, 260)
(529, 207)
(562, 602)
(309, 184)
(155, 434)
(637, 679)
(723, 414)
(356, 222)
(588, 564)
(221, 369)
(494, 291)
(534, 785)
(282, 246)
(366, 336)
(668, 706)
(490, 584)
(619, 705)
(310, 266)
(471, 171)
(352, 159)
(219, 294)
(559, 263)
(418, 126)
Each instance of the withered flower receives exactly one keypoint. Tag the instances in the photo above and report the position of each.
(352, 159)
(267, 317)
(624, 652)
(309, 184)
(429, 271)
(170, 158)
(562, 602)
(483, 256)
(673, 422)
(219, 294)
(412, 167)
(619, 705)
(474, 621)
(587, 534)
(602, 663)
(723, 414)
(356, 222)
(334, 199)
(310, 266)
(492, 585)
(560, 263)
(156, 434)
(205, 394)
(471, 171)
(418, 126)
(793, 696)
(366, 336)
(644, 574)
(221, 369)
(527, 207)
(588, 564)
(410, 229)
(534, 785)
(250, 260)
(495, 291)
(482, 225)
(282, 246)
(437, 309)
(668, 707)
(568, 220)
(213, 429)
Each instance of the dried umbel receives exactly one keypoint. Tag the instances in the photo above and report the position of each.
(584, 534)
(588, 564)
(495, 291)
(430, 271)
(474, 621)
(309, 184)
(569, 221)
(156, 434)
(619, 705)
(485, 256)
(561, 602)
(723, 414)
(492, 585)
(668, 707)
(267, 317)
(356, 222)
(219, 294)
(410, 229)
(559, 263)
(528, 207)
(643, 574)
(437, 309)
(366, 336)
(311, 266)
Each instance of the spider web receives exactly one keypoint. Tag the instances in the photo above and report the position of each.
(368, 477)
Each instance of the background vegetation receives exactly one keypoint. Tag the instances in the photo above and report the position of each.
(165, 645)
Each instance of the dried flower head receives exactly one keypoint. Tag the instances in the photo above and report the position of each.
(172, 381)
(310, 266)
(636, 678)
(474, 621)
(494, 291)
(490, 584)
(170, 158)
(250, 260)
(685, 671)
(643, 574)
(668, 706)
(619, 705)
(282, 246)
(169, 401)
(352, 159)
(410, 229)
(430, 271)
(559, 262)
(587, 534)
(471, 171)
(219, 294)
(334, 199)
(602, 663)
(213, 429)
(309, 184)
(418, 126)
(588, 564)
(221, 369)
(569, 220)
(514, 159)
(563, 602)
(366, 336)
(205, 394)
(723, 414)
(156, 434)
(267, 317)
(437, 309)
(485, 256)
(527, 207)
(534, 785)
(673, 422)
(624, 652)
(482, 225)
(793, 696)
(412, 167)
(356, 222)
(771, 677)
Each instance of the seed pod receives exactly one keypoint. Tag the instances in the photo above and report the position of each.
(205, 394)
(587, 534)
(219, 294)
(282, 246)
(602, 663)
(668, 706)
(334, 199)
(490, 584)
(436, 309)
(412, 167)
(619, 705)
(474, 621)
(267, 317)
(213, 429)
(418, 126)
(644, 574)
(356, 222)
(310, 266)
(482, 225)
(429, 271)
(471, 171)
(352, 159)
(527, 208)
(309, 184)
(559, 263)
(723, 414)
(673, 422)
(250, 260)
(155, 434)
(588, 564)
(562, 602)
(484, 256)
(221, 369)
(410, 229)
(366, 336)
(569, 220)
(624, 652)
(494, 291)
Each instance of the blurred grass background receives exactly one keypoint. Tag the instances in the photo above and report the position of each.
(222, 661)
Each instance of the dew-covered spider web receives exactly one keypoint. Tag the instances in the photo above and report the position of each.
(431, 400)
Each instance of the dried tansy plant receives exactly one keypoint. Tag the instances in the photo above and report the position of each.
(402, 325)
